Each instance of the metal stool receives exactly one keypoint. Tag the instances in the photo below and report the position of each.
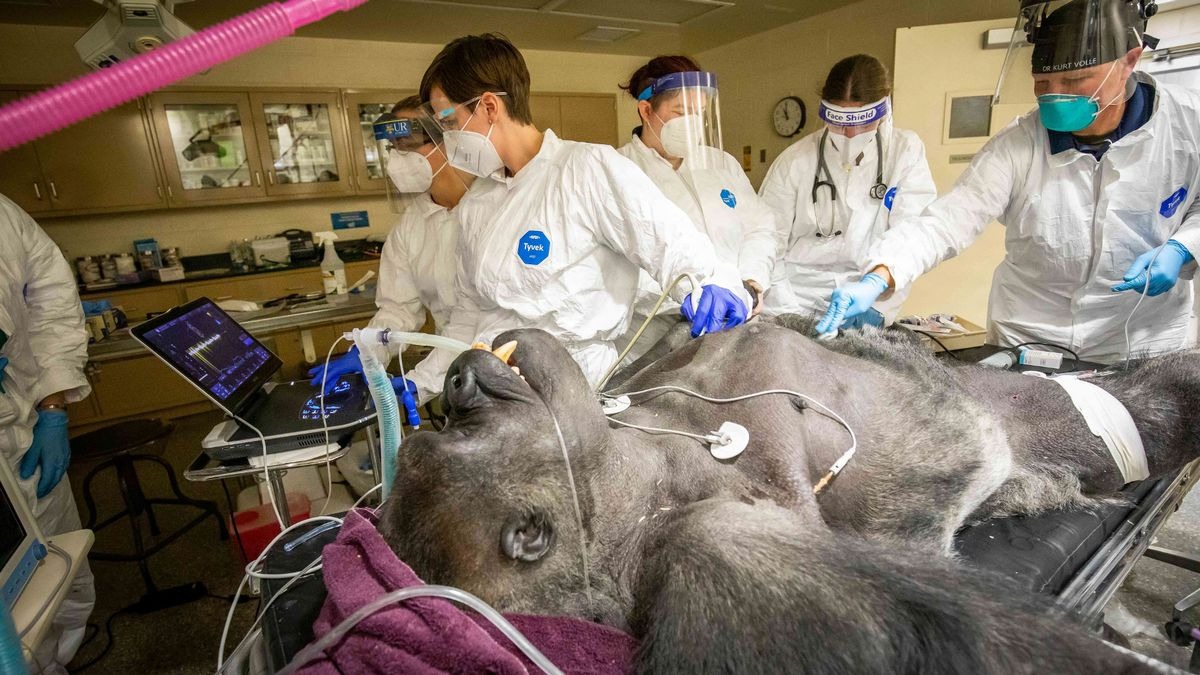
(122, 446)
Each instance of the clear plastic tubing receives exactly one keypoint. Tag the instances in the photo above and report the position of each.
(12, 661)
(331, 638)
(61, 106)
(395, 337)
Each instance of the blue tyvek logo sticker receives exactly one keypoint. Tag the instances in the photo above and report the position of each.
(1171, 206)
(533, 247)
(729, 198)
(890, 198)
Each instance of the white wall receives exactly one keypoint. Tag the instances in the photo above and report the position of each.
(44, 54)
(943, 52)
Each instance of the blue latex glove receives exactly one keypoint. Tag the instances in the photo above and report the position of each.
(3, 365)
(851, 300)
(719, 308)
(343, 365)
(1163, 273)
(406, 391)
(50, 450)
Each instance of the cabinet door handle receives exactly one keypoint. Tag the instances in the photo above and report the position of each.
(271, 177)
(257, 178)
(294, 288)
(170, 192)
(158, 188)
(53, 191)
(37, 190)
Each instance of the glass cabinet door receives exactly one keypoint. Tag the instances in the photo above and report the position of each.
(362, 109)
(208, 146)
(302, 142)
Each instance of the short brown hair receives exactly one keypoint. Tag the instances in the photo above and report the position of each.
(657, 67)
(407, 103)
(473, 65)
(862, 78)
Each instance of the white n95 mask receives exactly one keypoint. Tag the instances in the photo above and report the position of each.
(851, 149)
(410, 171)
(682, 136)
(472, 152)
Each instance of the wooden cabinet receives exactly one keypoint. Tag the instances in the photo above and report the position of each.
(362, 109)
(591, 118)
(137, 304)
(302, 143)
(137, 385)
(208, 146)
(104, 163)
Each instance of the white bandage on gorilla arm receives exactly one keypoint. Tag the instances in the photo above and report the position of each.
(1108, 419)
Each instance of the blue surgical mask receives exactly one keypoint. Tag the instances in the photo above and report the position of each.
(1067, 112)
(1073, 112)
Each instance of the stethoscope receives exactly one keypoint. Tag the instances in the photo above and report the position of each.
(878, 190)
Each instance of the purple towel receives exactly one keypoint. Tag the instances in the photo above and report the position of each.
(431, 635)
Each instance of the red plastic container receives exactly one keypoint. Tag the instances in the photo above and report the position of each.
(256, 527)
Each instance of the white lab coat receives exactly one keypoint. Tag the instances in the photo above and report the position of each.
(722, 204)
(417, 273)
(1073, 227)
(559, 247)
(47, 352)
(811, 267)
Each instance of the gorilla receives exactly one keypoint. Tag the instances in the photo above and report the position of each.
(536, 502)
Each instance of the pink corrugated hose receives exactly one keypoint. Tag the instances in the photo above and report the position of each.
(61, 106)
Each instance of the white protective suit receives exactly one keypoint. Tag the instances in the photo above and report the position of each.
(417, 273)
(559, 247)
(47, 352)
(810, 267)
(722, 204)
(1074, 225)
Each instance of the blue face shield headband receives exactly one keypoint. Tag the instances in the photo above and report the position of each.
(674, 81)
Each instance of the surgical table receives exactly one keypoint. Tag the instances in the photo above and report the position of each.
(1080, 558)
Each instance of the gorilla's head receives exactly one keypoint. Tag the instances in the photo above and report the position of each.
(485, 504)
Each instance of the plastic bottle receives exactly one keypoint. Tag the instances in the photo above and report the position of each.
(333, 270)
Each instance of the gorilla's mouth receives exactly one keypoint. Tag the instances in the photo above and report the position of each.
(505, 352)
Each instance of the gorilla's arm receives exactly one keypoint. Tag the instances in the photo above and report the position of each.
(739, 588)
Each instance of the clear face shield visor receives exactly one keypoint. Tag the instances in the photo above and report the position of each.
(1058, 37)
(405, 151)
(685, 109)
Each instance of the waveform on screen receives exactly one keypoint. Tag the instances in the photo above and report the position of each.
(201, 351)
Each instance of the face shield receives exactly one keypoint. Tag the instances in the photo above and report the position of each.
(1060, 38)
(404, 150)
(688, 114)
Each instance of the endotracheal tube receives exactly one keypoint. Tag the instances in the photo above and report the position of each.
(375, 352)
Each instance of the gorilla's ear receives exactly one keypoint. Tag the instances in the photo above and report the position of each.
(527, 536)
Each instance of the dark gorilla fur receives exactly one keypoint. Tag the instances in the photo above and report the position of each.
(734, 566)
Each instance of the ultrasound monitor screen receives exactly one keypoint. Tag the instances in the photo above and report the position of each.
(12, 532)
(209, 348)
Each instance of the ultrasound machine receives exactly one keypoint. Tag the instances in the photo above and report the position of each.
(206, 347)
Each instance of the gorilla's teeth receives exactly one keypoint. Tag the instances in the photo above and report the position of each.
(505, 351)
(480, 345)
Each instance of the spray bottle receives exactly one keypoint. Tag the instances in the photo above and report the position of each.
(333, 270)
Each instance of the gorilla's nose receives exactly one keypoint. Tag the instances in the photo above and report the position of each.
(461, 389)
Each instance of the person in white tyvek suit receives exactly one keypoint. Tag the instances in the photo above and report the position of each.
(46, 353)
(556, 241)
(416, 272)
(834, 196)
(1097, 190)
(678, 145)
